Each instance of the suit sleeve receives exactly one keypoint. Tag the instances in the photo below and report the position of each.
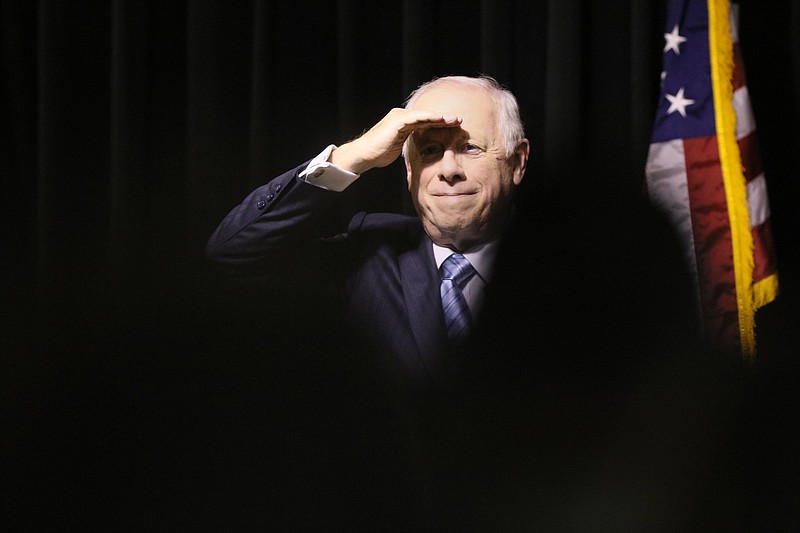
(283, 215)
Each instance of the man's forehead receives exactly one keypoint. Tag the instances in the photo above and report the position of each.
(440, 134)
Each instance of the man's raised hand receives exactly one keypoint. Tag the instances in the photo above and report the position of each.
(383, 143)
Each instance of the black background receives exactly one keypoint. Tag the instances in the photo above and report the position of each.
(129, 129)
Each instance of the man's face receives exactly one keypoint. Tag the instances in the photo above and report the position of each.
(460, 179)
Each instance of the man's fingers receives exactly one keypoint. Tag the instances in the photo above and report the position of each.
(419, 119)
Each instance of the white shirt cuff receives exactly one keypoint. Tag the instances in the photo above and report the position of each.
(325, 175)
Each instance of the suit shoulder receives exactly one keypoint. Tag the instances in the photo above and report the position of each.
(387, 224)
(379, 230)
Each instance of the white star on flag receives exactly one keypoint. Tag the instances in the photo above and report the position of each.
(678, 103)
(673, 40)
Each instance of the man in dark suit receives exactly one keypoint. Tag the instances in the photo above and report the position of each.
(465, 154)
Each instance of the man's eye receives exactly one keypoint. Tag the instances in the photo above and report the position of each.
(431, 149)
(470, 149)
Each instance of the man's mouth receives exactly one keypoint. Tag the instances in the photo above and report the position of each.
(454, 193)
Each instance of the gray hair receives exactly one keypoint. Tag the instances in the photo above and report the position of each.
(509, 121)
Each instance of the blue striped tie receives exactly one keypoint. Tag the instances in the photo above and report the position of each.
(455, 271)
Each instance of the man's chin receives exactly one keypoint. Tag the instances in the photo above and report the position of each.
(450, 234)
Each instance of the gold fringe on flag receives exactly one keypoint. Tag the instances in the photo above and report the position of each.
(721, 55)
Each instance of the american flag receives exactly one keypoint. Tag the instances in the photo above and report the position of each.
(704, 169)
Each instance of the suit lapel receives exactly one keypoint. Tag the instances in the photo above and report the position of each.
(420, 284)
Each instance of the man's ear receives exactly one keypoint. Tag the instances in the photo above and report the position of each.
(519, 160)
(408, 172)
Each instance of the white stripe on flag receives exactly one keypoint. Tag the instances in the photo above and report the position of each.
(745, 120)
(669, 190)
(757, 202)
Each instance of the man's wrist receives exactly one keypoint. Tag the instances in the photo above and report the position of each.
(344, 158)
(322, 172)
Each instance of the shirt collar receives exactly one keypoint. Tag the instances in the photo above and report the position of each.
(481, 257)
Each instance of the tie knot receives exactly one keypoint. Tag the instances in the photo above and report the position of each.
(456, 268)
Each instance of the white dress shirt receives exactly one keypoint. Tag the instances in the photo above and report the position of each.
(322, 173)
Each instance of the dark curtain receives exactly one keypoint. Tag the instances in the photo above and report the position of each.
(130, 128)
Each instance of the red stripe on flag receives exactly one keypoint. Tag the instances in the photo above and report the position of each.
(712, 241)
(763, 252)
(751, 156)
(738, 78)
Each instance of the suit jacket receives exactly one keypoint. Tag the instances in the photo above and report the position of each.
(378, 269)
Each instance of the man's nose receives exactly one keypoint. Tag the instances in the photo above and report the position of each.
(449, 167)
